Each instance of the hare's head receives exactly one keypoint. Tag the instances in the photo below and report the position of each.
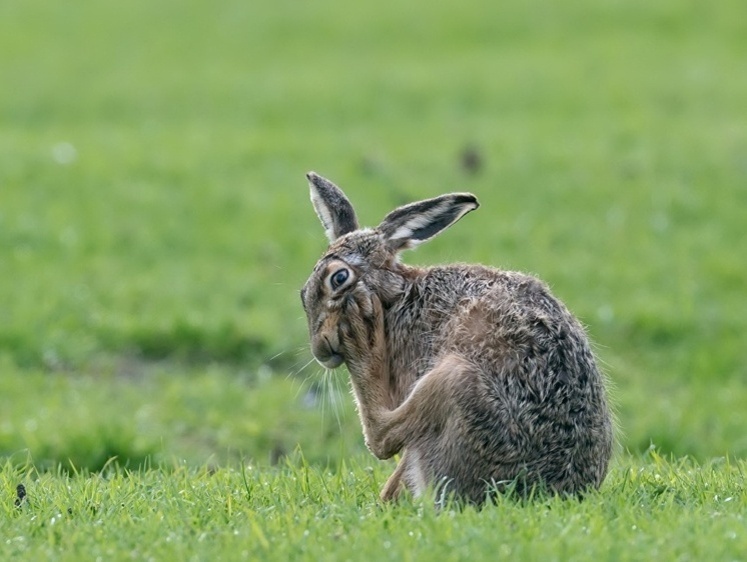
(359, 261)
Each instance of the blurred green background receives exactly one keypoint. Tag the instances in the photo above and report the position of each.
(155, 225)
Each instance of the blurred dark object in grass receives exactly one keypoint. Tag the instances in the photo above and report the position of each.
(471, 160)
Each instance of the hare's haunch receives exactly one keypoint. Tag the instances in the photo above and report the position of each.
(478, 377)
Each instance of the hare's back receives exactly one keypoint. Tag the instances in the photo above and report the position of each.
(512, 327)
(538, 400)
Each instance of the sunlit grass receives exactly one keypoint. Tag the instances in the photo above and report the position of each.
(670, 510)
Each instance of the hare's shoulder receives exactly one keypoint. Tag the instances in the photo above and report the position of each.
(482, 299)
(488, 284)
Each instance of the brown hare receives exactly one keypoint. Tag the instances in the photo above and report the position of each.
(480, 378)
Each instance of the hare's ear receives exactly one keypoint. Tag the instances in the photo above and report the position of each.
(412, 224)
(332, 207)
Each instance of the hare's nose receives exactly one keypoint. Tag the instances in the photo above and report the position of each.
(325, 353)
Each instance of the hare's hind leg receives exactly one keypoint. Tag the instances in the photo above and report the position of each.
(408, 475)
(393, 486)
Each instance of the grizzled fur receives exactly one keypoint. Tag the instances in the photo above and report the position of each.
(478, 377)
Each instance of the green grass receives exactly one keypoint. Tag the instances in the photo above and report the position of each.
(202, 417)
(649, 510)
(155, 228)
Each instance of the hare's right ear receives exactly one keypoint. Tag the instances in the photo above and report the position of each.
(412, 224)
(332, 207)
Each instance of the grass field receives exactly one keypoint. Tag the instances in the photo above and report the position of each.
(155, 229)
(650, 509)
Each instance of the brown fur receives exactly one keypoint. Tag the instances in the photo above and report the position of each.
(479, 377)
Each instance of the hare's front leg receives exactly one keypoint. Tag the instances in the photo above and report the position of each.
(431, 411)
(428, 426)
(388, 429)
(364, 342)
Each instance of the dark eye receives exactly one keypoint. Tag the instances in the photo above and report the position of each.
(338, 278)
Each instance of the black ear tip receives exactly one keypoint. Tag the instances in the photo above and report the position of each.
(468, 198)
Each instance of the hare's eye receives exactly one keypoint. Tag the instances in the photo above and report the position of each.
(338, 278)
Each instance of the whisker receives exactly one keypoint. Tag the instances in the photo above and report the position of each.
(307, 381)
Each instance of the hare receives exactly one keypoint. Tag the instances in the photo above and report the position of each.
(480, 378)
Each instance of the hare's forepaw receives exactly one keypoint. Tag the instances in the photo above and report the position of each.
(362, 332)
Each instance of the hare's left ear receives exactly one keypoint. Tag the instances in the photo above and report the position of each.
(332, 207)
(412, 224)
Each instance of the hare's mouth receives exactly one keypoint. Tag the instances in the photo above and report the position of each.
(326, 355)
(330, 362)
